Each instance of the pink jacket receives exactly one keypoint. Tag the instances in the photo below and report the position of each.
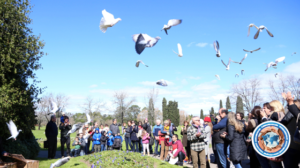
(178, 144)
(145, 139)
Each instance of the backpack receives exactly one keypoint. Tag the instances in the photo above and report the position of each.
(117, 143)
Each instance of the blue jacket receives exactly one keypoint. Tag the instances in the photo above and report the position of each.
(110, 140)
(95, 136)
(156, 128)
(119, 137)
(221, 124)
(62, 119)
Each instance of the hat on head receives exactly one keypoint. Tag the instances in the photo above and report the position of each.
(63, 113)
(207, 119)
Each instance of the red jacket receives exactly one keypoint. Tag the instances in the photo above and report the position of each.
(177, 144)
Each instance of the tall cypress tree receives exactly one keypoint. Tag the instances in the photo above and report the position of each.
(176, 118)
(170, 110)
(164, 109)
(228, 105)
(201, 114)
(212, 112)
(221, 104)
(239, 105)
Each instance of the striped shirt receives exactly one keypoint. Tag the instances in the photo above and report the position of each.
(197, 143)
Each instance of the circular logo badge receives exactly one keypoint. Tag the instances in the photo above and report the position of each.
(271, 139)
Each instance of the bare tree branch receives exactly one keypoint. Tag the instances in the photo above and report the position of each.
(120, 100)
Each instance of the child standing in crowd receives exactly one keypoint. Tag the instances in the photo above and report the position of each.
(96, 140)
(103, 140)
(110, 140)
(76, 150)
(106, 129)
(145, 141)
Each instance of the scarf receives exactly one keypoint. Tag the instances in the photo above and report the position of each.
(198, 127)
(166, 128)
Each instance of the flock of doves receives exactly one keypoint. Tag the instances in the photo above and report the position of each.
(143, 41)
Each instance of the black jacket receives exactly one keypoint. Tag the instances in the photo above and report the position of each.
(103, 139)
(290, 122)
(273, 117)
(216, 135)
(237, 141)
(295, 111)
(51, 130)
(64, 130)
(147, 127)
(133, 131)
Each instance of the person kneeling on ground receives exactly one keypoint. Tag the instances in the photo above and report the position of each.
(103, 140)
(178, 152)
(117, 142)
(79, 144)
(96, 140)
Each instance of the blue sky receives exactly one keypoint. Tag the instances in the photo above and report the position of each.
(84, 62)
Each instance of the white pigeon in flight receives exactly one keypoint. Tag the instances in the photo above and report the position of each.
(108, 20)
(237, 75)
(276, 75)
(13, 130)
(60, 162)
(252, 50)
(172, 22)
(217, 48)
(271, 64)
(241, 60)
(281, 59)
(162, 83)
(53, 108)
(260, 28)
(143, 40)
(179, 50)
(293, 53)
(242, 72)
(218, 77)
(228, 65)
(251, 25)
(88, 117)
(137, 64)
(75, 127)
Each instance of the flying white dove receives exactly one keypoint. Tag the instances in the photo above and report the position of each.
(60, 162)
(172, 22)
(241, 60)
(276, 75)
(236, 75)
(86, 136)
(13, 130)
(88, 117)
(252, 50)
(75, 127)
(80, 130)
(143, 40)
(53, 108)
(242, 72)
(137, 64)
(218, 77)
(271, 64)
(162, 83)
(108, 20)
(281, 59)
(260, 28)
(293, 53)
(251, 25)
(179, 50)
(217, 48)
(227, 66)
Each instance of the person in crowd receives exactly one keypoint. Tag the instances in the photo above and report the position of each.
(214, 149)
(172, 127)
(79, 144)
(65, 127)
(87, 130)
(103, 140)
(110, 140)
(140, 127)
(114, 128)
(235, 137)
(127, 136)
(147, 127)
(124, 128)
(221, 145)
(117, 142)
(101, 128)
(253, 120)
(155, 131)
(62, 118)
(196, 135)
(145, 141)
(106, 128)
(96, 140)
(291, 156)
(133, 136)
(94, 130)
(240, 116)
(164, 133)
(208, 128)
(51, 134)
(4, 153)
(185, 142)
(177, 149)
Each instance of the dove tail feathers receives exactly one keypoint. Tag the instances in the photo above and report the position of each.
(9, 138)
(102, 26)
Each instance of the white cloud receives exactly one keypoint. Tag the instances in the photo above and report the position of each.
(201, 44)
(184, 82)
(281, 46)
(93, 86)
(190, 44)
(194, 77)
(103, 83)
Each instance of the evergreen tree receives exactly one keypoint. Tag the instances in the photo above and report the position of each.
(20, 52)
(164, 109)
(239, 105)
(212, 112)
(228, 106)
(151, 112)
(221, 104)
(171, 110)
(201, 114)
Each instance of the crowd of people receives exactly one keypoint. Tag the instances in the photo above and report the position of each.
(230, 136)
